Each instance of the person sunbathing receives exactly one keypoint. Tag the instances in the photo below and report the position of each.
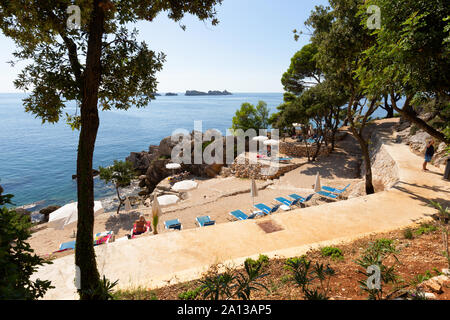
(141, 225)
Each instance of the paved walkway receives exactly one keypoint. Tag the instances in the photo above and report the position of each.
(178, 256)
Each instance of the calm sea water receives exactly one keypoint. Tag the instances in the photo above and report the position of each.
(37, 160)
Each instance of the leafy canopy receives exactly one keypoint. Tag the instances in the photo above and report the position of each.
(251, 117)
(57, 54)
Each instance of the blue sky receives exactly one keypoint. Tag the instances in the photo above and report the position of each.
(247, 52)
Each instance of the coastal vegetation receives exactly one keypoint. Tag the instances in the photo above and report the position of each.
(349, 70)
(121, 173)
(251, 117)
(117, 72)
(406, 267)
(17, 259)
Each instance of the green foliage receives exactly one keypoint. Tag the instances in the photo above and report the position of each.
(103, 291)
(17, 261)
(135, 294)
(408, 233)
(120, 174)
(216, 286)
(247, 282)
(444, 218)
(334, 253)
(425, 228)
(190, 294)
(424, 277)
(251, 117)
(303, 68)
(304, 273)
(375, 255)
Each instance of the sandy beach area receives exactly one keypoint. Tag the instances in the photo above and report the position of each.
(219, 196)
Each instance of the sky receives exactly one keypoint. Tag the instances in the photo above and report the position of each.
(248, 51)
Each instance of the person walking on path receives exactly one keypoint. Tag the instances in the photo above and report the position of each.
(429, 153)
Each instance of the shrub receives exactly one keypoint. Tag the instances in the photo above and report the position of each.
(334, 253)
(190, 294)
(425, 228)
(373, 257)
(17, 260)
(408, 233)
(304, 273)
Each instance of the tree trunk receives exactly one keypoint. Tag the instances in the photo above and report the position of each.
(84, 253)
(121, 201)
(364, 149)
(413, 118)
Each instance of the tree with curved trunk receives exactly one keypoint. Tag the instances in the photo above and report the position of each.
(99, 63)
(120, 174)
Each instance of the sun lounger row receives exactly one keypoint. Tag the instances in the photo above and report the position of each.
(327, 192)
(175, 224)
(99, 238)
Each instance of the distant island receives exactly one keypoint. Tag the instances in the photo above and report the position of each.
(170, 94)
(209, 93)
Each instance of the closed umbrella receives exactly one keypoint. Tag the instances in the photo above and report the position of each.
(68, 214)
(317, 185)
(127, 204)
(253, 191)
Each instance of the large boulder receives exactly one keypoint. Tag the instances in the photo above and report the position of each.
(140, 160)
(46, 212)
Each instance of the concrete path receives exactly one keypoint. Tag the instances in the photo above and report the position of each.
(179, 256)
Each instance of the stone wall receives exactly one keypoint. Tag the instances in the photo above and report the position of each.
(261, 170)
(299, 150)
(384, 168)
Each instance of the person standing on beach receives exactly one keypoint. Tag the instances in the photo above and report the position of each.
(429, 153)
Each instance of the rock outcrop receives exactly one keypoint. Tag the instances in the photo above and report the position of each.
(209, 93)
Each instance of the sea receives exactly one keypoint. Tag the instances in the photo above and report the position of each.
(37, 160)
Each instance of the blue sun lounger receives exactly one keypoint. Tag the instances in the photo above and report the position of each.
(67, 246)
(328, 195)
(287, 202)
(172, 224)
(301, 199)
(205, 221)
(238, 214)
(265, 209)
(334, 190)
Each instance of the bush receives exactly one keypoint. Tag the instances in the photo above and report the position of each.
(17, 261)
(425, 228)
(334, 253)
(408, 233)
(190, 294)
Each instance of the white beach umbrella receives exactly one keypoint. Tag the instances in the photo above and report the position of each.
(167, 200)
(271, 142)
(253, 190)
(127, 204)
(260, 138)
(185, 185)
(173, 167)
(68, 214)
(317, 185)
